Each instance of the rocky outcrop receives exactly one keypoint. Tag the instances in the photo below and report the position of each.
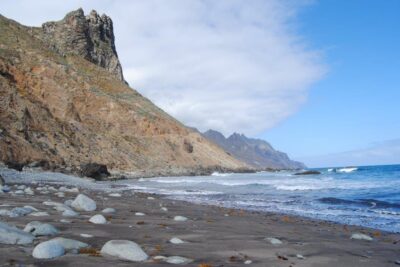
(255, 152)
(91, 37)
(60, 110)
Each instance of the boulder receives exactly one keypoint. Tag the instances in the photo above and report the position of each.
(124, 250)
(40, 229)
(18, 211)
(95, 170)
(12, 235)
(98, 219)
(83, 203)
(48, 250)
(69, 213)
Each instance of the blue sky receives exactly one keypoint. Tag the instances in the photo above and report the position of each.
(356, 105)
(318, 79)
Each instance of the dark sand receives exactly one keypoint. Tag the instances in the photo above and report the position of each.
(213, 238)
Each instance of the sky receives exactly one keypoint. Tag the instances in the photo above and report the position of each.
(317, 79)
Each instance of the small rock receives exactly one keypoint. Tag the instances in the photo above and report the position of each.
(115, 195)
(39, 214)
(60, 194)
(359, 236)
(248, 262)
(178, 260)
(29, 191)
(19, 192)
(69, 213)
(159, 258)
(108, 210)
(65, 221)
(84, 203)
(180, 218)
(176, 241)
(139, 214)
(40, 229)
(98, 219)
(4, 212)
(12, 235)
(21, 187)
(86, 235)
(299, 256)
(125, 250)
(274, 241)
(68, 202)
(150, 198)
(164, 209)
(17, 212)
(48, 250)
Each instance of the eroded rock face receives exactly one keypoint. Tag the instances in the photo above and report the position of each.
(91, 37)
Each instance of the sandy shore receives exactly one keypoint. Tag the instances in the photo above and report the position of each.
(213, 235)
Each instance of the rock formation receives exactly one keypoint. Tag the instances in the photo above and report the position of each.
(255, 152)
(63, 103)
(91, 37)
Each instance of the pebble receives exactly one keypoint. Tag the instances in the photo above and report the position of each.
(180, 218)
(125, 250)
(359, 236)
(86, 235)
(84, 203)
(176, 241)
(299, 256)
(48, 250)
(98, 219)
(274, 241)
(65, 221)
(39, 213)
(69, 213)
(164, 209)
(139, 214)
(178, 260)
(115, 195)
(11, 235)
(150, 198)
(248, 262)
(37, 228)
(108, 210)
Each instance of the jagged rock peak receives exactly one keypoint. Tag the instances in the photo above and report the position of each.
(90, 36)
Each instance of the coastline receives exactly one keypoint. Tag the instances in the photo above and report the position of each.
(214, 235)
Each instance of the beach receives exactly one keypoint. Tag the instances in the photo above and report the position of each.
(211, 235)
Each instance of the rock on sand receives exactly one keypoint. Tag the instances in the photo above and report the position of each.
(12, 235)
(124, 250)
(84, 203)
(40, 229)
(359, 236)
(98, 219)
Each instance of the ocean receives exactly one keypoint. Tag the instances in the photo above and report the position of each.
(367, 196)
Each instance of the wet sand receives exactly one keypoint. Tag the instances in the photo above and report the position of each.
(213, 235)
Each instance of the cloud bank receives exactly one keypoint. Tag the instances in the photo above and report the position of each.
(381, 153)
(230, 65)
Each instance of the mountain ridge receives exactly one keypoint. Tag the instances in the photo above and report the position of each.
(257, 153)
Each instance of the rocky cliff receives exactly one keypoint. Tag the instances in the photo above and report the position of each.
(255, 152)
(91, 37)
(63, 102)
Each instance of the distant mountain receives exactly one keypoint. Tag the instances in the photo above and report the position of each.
(255, 152)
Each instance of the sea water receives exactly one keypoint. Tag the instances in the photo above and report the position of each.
(366, 196)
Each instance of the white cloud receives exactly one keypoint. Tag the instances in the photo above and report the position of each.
(227, 65)
(380, 153)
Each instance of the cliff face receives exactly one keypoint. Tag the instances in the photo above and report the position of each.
(58, 107)
(255, 152)
(91, 37)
